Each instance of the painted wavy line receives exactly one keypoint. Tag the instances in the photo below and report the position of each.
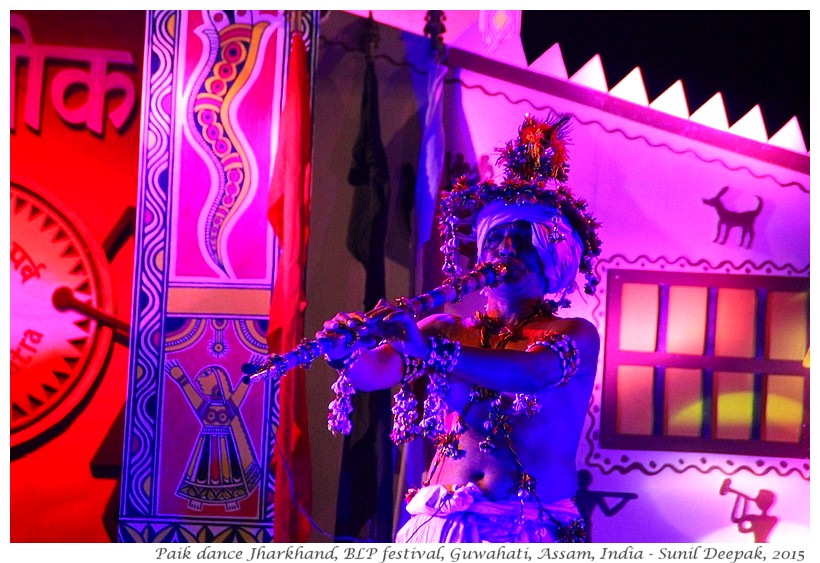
(144, 387)
(686, 466)
(141, 458)
(160, 87)
(144, 416)
(149, 356)
(546, 107)
(649, 143)
(692, 152)
(149, 287)
(141, 433)
(157, 159)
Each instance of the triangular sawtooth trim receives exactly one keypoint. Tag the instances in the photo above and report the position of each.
(551, 63)
(631, 88)
(672, 101)
(591, 75)
(712, 113)
(751, 126)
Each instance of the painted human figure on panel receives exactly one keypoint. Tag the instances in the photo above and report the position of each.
(222, 467)
(759, 525)
(588, 500)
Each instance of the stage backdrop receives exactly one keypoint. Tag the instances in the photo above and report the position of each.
(75, 93)
(199, 440)
(702, 398)
(701, 405)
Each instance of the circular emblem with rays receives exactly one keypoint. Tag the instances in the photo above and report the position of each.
(56, 353)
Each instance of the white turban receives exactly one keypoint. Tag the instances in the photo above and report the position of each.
(560, 260)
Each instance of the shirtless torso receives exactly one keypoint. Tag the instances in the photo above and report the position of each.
(545, 443)
(518, 348)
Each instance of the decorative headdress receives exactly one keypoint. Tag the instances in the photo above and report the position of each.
(535, 173)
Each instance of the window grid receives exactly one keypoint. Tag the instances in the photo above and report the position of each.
(708, 363)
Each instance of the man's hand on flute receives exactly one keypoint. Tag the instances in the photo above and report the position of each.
(386, 324)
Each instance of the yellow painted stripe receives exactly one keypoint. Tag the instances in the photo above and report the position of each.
(219, 301)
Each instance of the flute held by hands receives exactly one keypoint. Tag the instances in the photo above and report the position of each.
(277, 365)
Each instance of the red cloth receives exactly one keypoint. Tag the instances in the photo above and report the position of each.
(288, 212)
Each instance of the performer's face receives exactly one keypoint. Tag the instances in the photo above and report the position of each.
(511, 243)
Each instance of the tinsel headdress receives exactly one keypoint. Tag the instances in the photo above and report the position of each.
(535, 173)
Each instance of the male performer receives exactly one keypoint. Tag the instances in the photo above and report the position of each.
(508, 388)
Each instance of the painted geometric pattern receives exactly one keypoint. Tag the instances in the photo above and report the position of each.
(146, 336)
(234, 47)
(199, 440)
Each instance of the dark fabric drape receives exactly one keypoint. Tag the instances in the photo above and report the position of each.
(366, 481)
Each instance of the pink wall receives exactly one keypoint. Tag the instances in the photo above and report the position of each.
(81, 156)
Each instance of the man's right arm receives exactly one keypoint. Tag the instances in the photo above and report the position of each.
(383, 366)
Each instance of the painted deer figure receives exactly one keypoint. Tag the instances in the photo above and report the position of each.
(728, 220)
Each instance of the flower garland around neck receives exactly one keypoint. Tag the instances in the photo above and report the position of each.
(490, 326)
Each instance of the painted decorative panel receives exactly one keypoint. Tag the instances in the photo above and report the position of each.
(198, 438)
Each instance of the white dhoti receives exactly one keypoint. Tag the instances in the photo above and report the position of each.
(461, 514)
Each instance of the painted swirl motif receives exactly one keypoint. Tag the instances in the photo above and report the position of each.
(233, 56)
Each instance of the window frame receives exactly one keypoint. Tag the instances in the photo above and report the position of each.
(708, 363)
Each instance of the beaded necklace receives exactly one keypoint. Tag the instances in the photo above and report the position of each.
(498, 424)
(488, 326)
